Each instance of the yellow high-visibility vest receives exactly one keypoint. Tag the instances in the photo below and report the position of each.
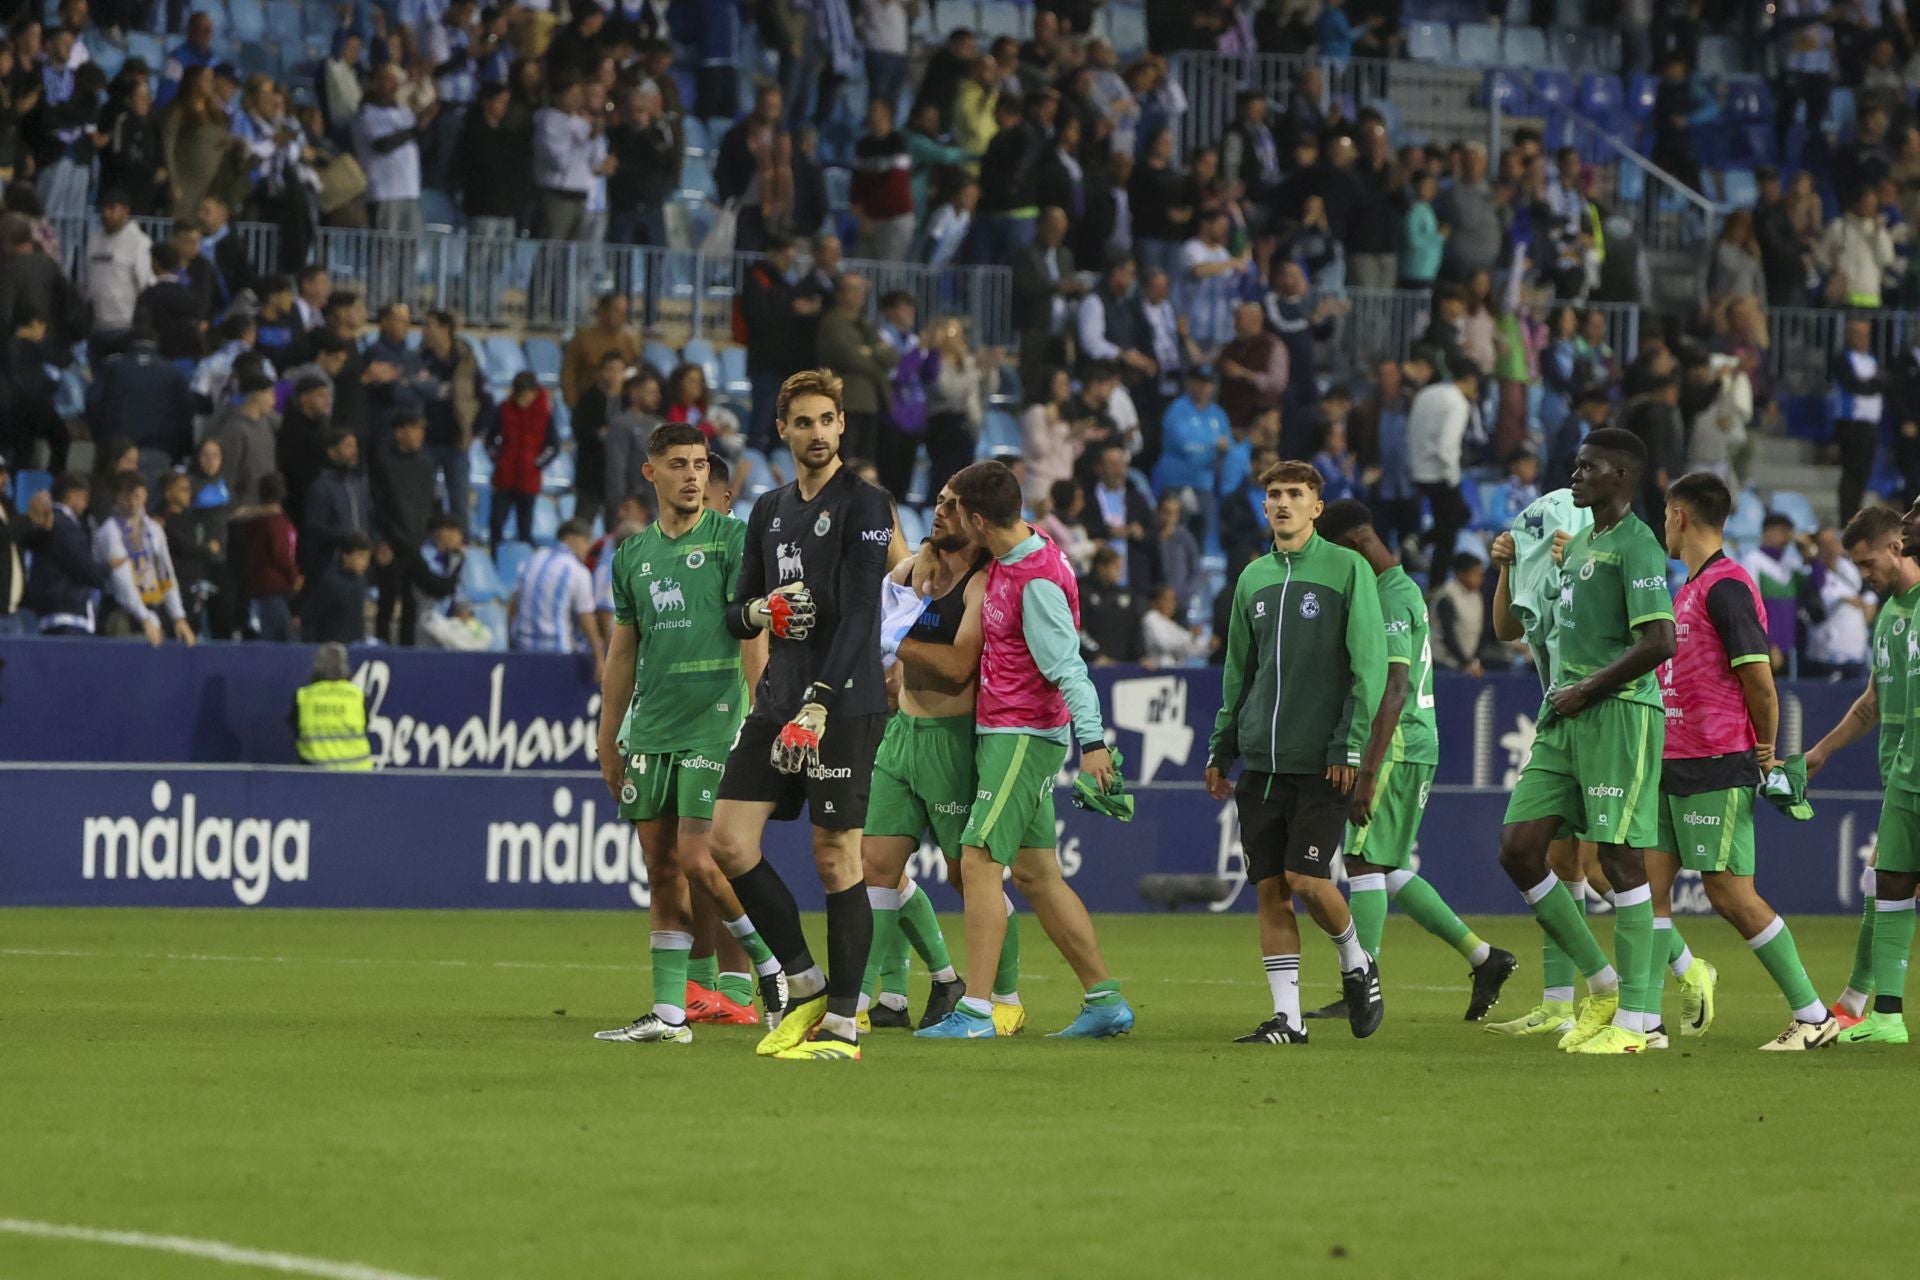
(333, 726)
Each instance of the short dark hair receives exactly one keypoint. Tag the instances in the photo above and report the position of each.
(1870, 524)
(312, 271)
(273, 487)
(1341, 518)
(339, 300)
(1293, 471)
(355, 542)
(1774, 520)
(337, 437)
(443, 520)
(1061, 493)
(1620, 442)
(128, 482)
(988, 489)
(674, 435)
(893, 298)
(575, 528)
(166, 258)
(1466, 562)
(1705, 495)
(271, 285)
(68, 482)
(718, 470)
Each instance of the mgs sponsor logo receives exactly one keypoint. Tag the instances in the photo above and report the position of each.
(879, 536)
(582, 850)
(249, 853)
(1651, 584)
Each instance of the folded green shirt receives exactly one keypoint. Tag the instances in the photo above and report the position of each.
(1785, 788)
(1113, 800)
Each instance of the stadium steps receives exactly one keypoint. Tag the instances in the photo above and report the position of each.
(1790, 464)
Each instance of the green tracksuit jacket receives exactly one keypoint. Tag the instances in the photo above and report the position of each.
(1306, 662)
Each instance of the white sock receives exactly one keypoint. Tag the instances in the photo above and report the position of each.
(1604, 983)
(1680, 963)
(906, 894)
(884, 899)
(946, 975)
(1283, 980)
(767, 968)
(1396, 881)
(1854, 1002)
(864, 1003)
(1578, 888)
(1371, 882)
(1557, 995)
(838, 1024)
(806, 984)
(892, 1000)
(1534, 895)
(1006, 997)
(1815, 1013)
(1352, 954)
(975, 1005)
(1481, 954)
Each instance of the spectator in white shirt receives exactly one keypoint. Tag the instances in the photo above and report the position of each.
(1437, 426)
(565, 165)
(386, 137)
(119, 269)
(133, 547)
(1837, 647)
(1163, 641)
(1207, 277)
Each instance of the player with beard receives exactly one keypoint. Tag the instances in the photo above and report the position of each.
(815, 557)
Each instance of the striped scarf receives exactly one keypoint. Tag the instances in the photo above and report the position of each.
(843, 46)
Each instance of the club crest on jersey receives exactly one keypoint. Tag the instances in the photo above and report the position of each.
(824, 523)
(787, 557)
(1586, 570)
(629, 793)
(1899, 625)
(1310, 605)
(666, 595)
(696, 558)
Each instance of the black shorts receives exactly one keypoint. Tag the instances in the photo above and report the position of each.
(1289, 822)
(834, 792)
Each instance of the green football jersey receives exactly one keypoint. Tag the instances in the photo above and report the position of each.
(688, 687)
(1892, 630)
(1610, 583)
(1416, 739)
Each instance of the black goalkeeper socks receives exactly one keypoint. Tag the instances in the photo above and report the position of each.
(768, 902)
(849, 938)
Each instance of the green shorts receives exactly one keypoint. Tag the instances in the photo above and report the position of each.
(1897, 848)
(672, 784)
(923, 779)
(1598, 772)
(1013, 799)
(1399, 803)
(1711, 831)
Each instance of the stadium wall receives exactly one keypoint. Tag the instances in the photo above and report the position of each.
(159, 778)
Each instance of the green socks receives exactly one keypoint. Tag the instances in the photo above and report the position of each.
(705, 971)
(1425, 907)
(1774, 946)
(738, 987)
(752, 943)
(1101, 992)
(1634, 954)
(1566, 924)
(1892, 940)
(669, 951)
(1862, 979)
(887, 937)
(1367, 899)
(922, 928)
(1006, 978)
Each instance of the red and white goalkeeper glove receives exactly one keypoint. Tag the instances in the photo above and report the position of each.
(797, 748)
(787, 612)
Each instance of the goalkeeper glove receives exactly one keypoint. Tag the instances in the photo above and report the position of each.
(787, 612)
(797, 748)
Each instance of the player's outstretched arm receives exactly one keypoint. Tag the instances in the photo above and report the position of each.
(1861, 719)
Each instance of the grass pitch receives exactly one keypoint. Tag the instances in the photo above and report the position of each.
(420, 1093)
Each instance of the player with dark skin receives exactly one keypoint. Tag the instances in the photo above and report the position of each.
(1892, 886)
(1605, 482)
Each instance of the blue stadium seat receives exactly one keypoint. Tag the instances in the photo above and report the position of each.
(1505, 89)
(696, 177)
(558, 477)
(149, 48)
(1743, 525)
(546, 521)
(1749, 101)
(493, 616)
(479, 465)
(1795, 507)
(913, 525)
(248, 20)
(1129, 26)
(482, 509)
(1718, 55)
(511, 556)
(697, 138)
(1477, 45)
(661, 356)
(1641, 89)
(109, 57)
(285, 23)
(1601, 96)
(1631, 184)
(502, 359)
(1841, 111)
(562, 417)
(733, 372)
(543, 357)
(258, 59)
(839, 188)
(319, 18)
(28, 483)
(699, 351)
(1429, 42)
(1553, 89)
(1525, 47)
(480, 581)
(216, 11)
(999, 431)
(760, 481)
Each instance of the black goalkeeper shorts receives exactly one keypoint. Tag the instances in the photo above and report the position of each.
(834, 791)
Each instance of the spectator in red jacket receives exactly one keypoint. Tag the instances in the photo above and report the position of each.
(882, 187)
(521, 444)
(273, 561)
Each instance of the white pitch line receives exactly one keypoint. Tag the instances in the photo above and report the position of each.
(213, 1250)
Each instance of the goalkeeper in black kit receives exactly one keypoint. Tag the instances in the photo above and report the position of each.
(811, 572)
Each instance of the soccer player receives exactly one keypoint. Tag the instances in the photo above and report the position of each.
(923, 779)
(672, 698)
(1035, 700)
(1874, 541)
(815, 556)
(1379, 854)
(1306, 663)
(1721, 716)
(1595, 761)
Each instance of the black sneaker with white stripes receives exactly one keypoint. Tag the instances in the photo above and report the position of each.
(1365, 1008)
(1275, 1030)
(773, 997)
(1488, 977)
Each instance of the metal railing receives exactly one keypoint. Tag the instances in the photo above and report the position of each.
(1801, 341)
(1384, 324)
(1672, 217)
(75, 234)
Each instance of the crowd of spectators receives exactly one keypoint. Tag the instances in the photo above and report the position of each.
(1172, 310)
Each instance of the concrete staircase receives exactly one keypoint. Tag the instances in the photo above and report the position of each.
(1783, 462)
